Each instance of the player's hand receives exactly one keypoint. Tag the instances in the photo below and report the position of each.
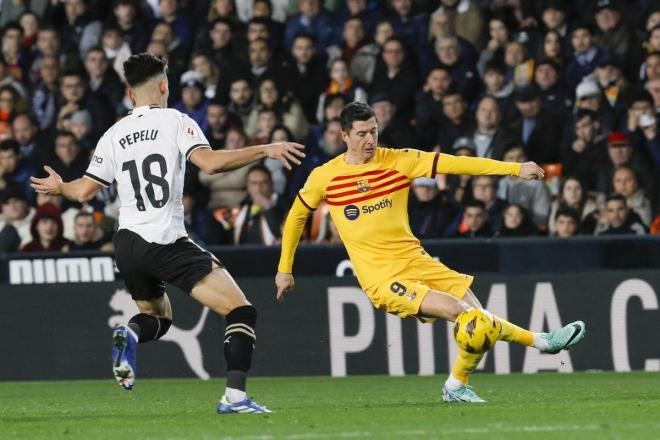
(51, 185)
(286, 152)
(284, 283)
(529, 171)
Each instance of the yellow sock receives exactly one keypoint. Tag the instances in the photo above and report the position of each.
(465, 364)
(513, 333)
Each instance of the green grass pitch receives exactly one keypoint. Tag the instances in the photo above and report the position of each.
(543, 406)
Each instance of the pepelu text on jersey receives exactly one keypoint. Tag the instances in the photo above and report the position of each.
(138, 136)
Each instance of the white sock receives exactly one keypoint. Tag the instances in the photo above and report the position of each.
(540, 342)
(130, 330)
(452, 383)
(233, 395)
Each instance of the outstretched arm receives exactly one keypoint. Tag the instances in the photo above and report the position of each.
(293, 228)
(79, 190)
(212, 162)
(476, 166)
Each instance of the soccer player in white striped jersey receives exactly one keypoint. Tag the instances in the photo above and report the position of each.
(145, 153)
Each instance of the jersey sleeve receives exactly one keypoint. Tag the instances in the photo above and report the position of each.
(101, 167)
(190, 136)
(312, 194)
(416, 163)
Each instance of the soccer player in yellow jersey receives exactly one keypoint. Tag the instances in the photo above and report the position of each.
(366, 191)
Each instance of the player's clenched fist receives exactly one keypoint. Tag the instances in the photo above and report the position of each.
(529, 170)
(286, 152)
(284, 283)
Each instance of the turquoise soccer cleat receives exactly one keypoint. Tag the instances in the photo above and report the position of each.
(565, 337)
(463, 394)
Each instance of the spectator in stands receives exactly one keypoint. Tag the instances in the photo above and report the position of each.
(502, 90)
(44, 99)
(328, 147)
(572, 194)
(552, 49)
(365, 60)
(278, 173)
(588, 96)
(555, 97)
(193, 102)
(516, 222)
(585, 56)
(650, 68)
(241, 101)
(553, 15)
(219, 121)
(80, 124)
(116, 49)
(17, 213)
(520, 66)
(47, 45)
(270, 96)
(539, 130)
(201, 63)
(620, 220)
(224, 9)
(11, 103)
(428, 105)
(262, 212)
(76, 96)
(565, 223)
(410, 25)
(616, 38)
(609, 77)
(620, 153)
(429, 210)
(69, 162)
(393, 130)
(653, 87)
(13, 55)
(340, 83)
(227, 190)
(465, 19)
(13, 169)
(499, 36)
(458, 186)
(353, 38)
(475, 218)
(463, 72)
(586, 153)
(88, 235)
(177, 19)
(46, 229)
(80, 31)
(490, 137)
(531, 195)
(262, 65)
(135, 29)
(34, 148)
(625, 182)
(397, 77)
(483, 189)
(202, 227)
(457, 122)
(307, 75)
(266, 120)
(228, 51)
(103, 80)
(313, 19)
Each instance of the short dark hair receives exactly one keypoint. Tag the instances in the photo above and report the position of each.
(616, 197)
(586, 113)
(355, 111)
(67, 133)
(307, 36)
(474, 203)
(142, 67)
(567, 211)
(83, 214)
(10, 144)
(261, 168)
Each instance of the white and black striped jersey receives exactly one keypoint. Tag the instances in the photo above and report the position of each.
(146, 152)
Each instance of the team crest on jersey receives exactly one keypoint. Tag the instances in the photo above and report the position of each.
(363, 186)
(191, 132)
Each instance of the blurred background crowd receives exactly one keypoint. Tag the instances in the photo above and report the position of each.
(573, 85)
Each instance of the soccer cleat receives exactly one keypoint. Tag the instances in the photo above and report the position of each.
(246, 406)
(124, 365)
(565, 337)
(462, 394)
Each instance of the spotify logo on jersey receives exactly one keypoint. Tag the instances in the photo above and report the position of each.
(351, 212)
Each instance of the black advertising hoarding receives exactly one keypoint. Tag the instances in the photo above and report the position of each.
(327, 327)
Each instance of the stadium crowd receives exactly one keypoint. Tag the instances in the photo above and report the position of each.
(572, 85)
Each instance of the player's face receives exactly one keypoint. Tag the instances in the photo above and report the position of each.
(362, 139)
(565, 226)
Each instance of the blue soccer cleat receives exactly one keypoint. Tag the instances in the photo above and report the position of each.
(246, 406)
(565, 337)
(464, 394)
(124, 365)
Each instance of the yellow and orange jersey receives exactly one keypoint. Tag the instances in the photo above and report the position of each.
(368, 204)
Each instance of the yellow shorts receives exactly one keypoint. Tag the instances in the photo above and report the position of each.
(403, 294)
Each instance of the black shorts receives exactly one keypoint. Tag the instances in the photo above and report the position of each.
(145, 266)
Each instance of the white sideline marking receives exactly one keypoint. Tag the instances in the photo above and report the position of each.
(420, 432)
